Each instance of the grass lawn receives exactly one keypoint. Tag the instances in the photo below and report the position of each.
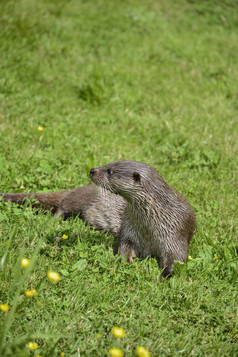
(146, 80)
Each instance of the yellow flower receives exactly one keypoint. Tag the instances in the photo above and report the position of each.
(142, 351)
(4, 307)
(98, 335)
(53, 276)
(32, 345)
(216, 257)
(28, 293)
(118, 332)
(64, 236)
(190, 258)
(37, 355)
(25, 262)
(116, 352)
(31, 293)
(62, 354)
(40, 128)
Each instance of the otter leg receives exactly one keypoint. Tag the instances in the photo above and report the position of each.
(167, 272)
(168, 261)
(166, 264)
(127, 252)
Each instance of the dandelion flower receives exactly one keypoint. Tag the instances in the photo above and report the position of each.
(142, 351)
(98, 335)
(28, 293)
(116, 352)
(40, 128)
(62, 354)
(216, 257)
(32, 345)
(25, 262)
(4, 307)
(53, 276)
(190, 258)
(64, 236)
(38, 356)
(118, 332)
(31, 293)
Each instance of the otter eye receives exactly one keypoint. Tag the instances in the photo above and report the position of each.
(110, 172)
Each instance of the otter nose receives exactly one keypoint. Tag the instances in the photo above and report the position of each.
(92, 172)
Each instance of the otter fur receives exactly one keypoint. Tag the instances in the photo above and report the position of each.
(130, 200)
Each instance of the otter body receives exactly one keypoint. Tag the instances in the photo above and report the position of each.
(157, 220)
(134, 203)
(99, 208)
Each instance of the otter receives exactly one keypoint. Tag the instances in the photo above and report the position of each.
(131, 201)
(157, 220)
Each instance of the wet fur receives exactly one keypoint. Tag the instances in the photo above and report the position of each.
(158, 221)
(96, 206)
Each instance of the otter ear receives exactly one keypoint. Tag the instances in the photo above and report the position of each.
(136, 177)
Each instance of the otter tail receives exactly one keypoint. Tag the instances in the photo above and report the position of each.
(46, 200)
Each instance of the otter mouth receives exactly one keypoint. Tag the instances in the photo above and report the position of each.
(96, 180)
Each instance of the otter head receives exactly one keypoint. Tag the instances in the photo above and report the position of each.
(123, 177)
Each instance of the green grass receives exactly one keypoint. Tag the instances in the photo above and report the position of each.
(153, 81)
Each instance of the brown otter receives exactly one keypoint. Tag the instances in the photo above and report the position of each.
(134, 203)
(157, 220)
(96, 206)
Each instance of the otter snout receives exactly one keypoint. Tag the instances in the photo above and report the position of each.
(93, 172)
(95, 176)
